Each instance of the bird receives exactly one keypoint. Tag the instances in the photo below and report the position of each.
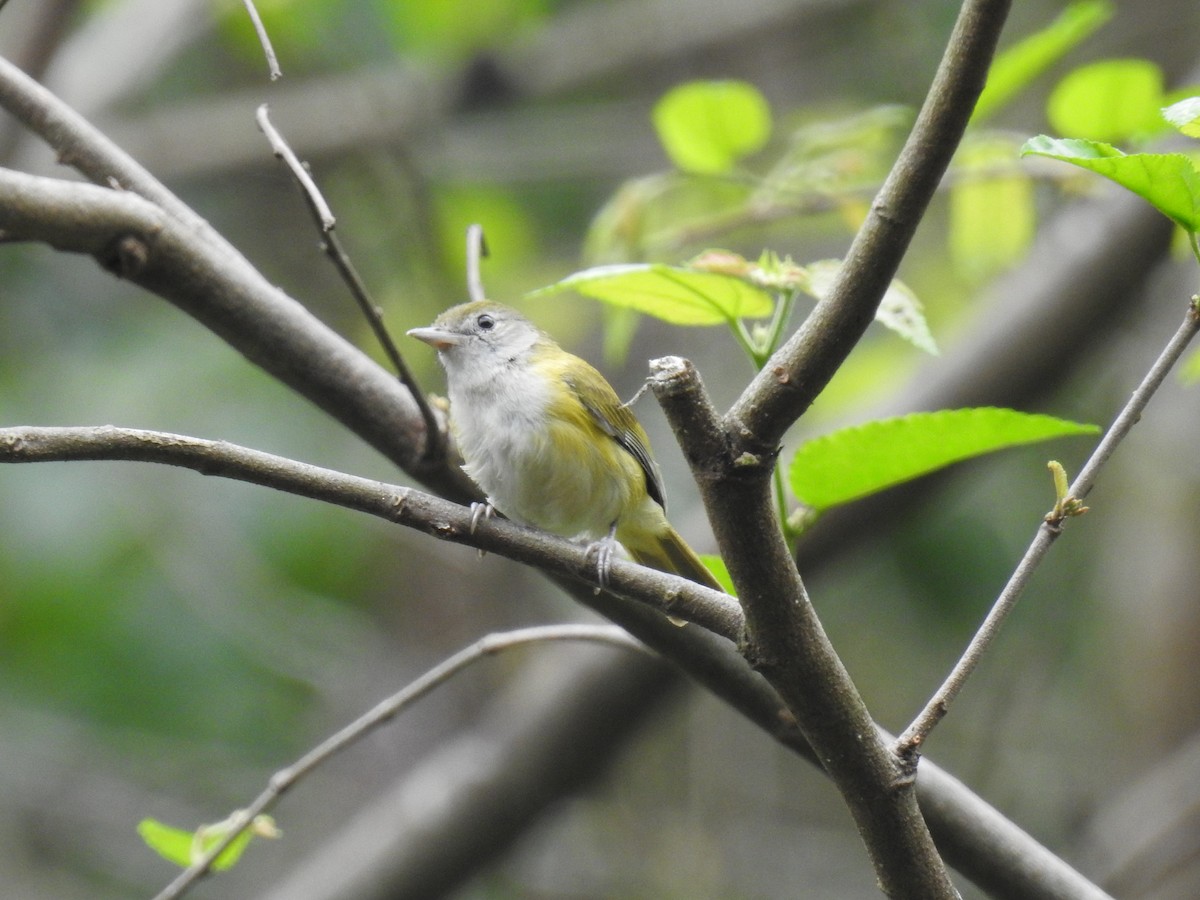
(547, 439)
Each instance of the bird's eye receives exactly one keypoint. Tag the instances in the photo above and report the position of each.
(486, 322)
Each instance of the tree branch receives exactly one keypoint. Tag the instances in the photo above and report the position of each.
(549, 734)
(432, 515)
(326, 223)
(786, 642)
(800, 369)
(733, 461)
(285, 779)
(994, 851)
(909, 743)
(86, 149)
(168, 249)
(134, 239)
(263, 38)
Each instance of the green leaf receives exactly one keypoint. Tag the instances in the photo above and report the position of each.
(1168, 181)
(172, 844)
(992, 216)
(900, 310)
(1016, 67)
(185, 847)
(707, 126)
(618, 230)
(835, 157)
(1111, 100)
(854, 462)
(671, 293)
(1185, 115)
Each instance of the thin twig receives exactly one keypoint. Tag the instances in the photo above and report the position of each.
(384, 712)
(477, 251)
(909, 743)
(80, 145)
(268, 50)
(312, 194)
(332, 247)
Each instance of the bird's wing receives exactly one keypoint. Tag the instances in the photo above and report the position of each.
(622, 426)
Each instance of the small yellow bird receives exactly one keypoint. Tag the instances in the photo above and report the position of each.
(548, 440)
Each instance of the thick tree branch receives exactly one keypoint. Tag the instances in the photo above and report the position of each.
(733, 461)
(86, 149)
(788, 645)
(794, 376)
(134, 239)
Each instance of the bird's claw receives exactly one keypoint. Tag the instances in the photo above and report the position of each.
(480, 512)
(604, 549)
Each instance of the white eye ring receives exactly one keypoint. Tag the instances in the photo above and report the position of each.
(486, 322)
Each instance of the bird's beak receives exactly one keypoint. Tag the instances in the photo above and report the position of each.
(437, 338)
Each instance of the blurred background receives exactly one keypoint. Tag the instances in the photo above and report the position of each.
(167, 642)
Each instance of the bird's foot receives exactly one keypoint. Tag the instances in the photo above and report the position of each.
(604, 550)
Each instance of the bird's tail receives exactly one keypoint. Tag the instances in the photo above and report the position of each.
(668, 552)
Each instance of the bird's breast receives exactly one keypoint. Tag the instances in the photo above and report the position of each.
(539, 456)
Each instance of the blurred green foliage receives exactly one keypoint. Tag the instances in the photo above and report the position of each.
(707, 126)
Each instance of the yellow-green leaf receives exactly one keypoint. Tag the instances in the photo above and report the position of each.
(992, 216)
(854, 462)
(1110, 100)
(899, 310)
(1168, 181)
(172, 844)
(1185, 115)
(185, 847)
(1017, 66)
(707, 126)
(671, 293)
